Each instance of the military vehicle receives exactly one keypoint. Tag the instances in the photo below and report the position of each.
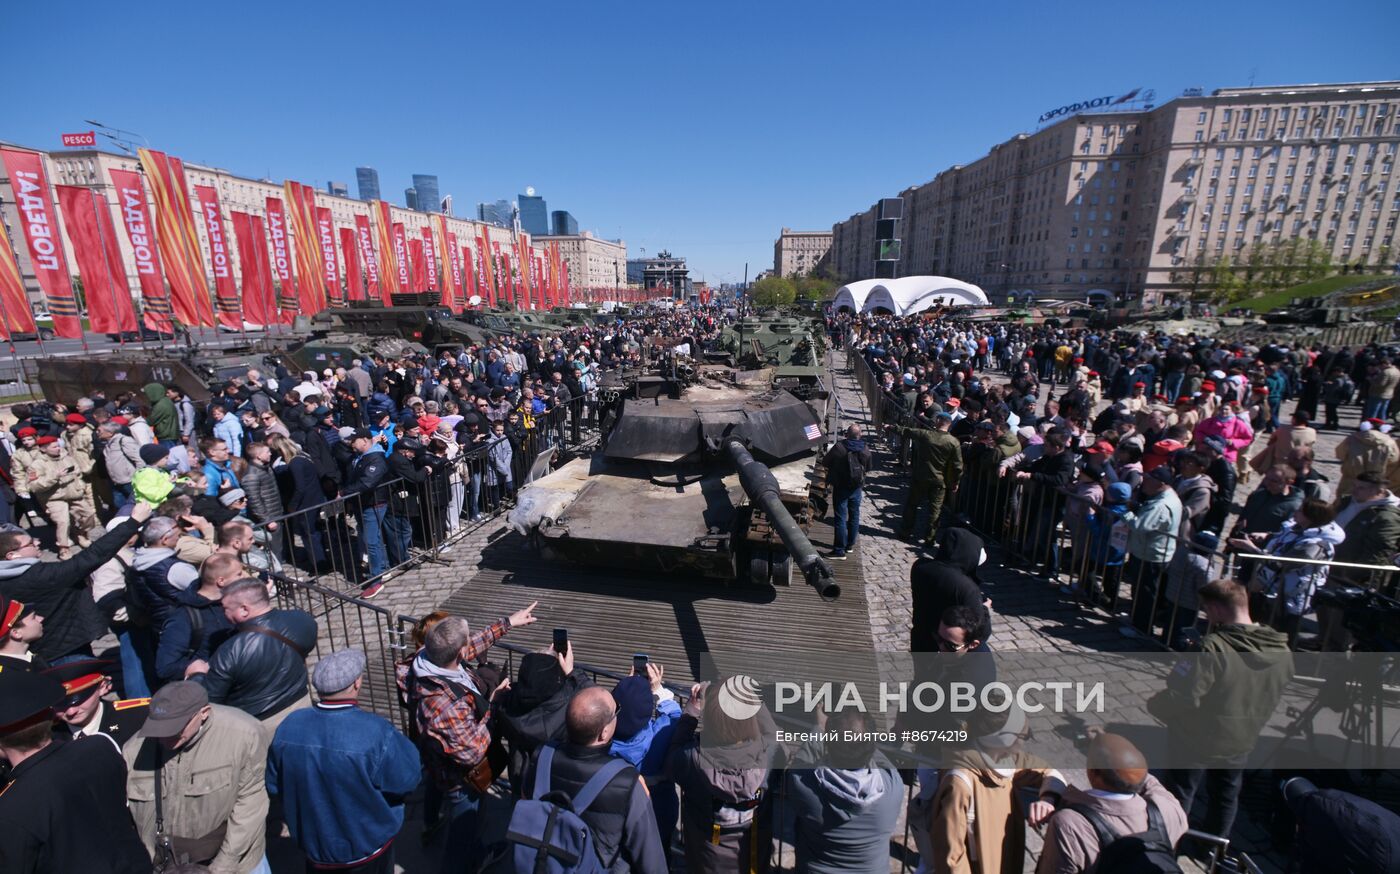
(716, 478)
(1310, 311)
(194, 371)
(789, 345)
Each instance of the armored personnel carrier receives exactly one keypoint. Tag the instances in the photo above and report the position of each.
(789, 345)
(193, 370)
(715, 479)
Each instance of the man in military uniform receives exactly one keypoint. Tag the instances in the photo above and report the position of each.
(20, 628)
(84, 709)
(57, 483)
(64, 805)
(20, 460)
(937, 467)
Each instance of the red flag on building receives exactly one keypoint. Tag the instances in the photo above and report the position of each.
(220, 259)
(177, 238)
(136, 219)
(281, 263)
(15, 315)
(469, 285)
(258, 308)
(39, 220)
(330, 261)
(393, 273)
(430, 259)
(99, 257)
(485, 284)
(453, 274)
(419, 275)
(400, 256)
(311, 276)
(368, 256)
(354, 281)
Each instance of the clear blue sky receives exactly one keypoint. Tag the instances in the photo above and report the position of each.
(699, 127)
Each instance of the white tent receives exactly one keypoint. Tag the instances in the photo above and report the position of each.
(912, 294)
(852, 295)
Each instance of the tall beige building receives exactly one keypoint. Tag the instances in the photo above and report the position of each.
(91, 168)
(1137, 206)
(797, 253)
(593, 262)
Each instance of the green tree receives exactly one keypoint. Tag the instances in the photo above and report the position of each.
(816, 288)
(773, 291)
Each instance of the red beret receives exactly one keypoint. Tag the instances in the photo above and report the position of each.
(1079, 361)
(1139, 385)
(1261, 390)
(1093, 373)
(47, 439)
(1208, 385)
(121, 420)
(26, 432)
(1373, 421)
(1184, 399)
(75, 419)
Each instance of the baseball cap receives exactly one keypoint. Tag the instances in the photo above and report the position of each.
(1118, 493)
(1103, 447)
(171, 708)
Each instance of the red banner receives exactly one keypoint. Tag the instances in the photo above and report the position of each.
(469, 289)
(330, 262)
(453, 274)
(256, 307)
(136, 218)
(368, 256)
(30, 186)
(282, 260)
(430, 276)
(15, 315)
(301, 219)
(225, 289)
(354, 282)
(400, 256)
(393, 271)
(420, 266)
(178, 240)
(483, 269)
(99, 257)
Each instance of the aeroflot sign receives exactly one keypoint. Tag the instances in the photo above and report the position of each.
(1092, 103)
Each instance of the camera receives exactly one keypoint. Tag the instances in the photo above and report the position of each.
(1372, 617)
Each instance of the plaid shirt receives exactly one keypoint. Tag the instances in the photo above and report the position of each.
(451, 735)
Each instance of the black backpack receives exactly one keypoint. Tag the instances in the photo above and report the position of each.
(855, 471)
(1148, 852)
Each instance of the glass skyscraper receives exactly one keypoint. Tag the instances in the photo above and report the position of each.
(427, 187)
(498, 213)
(367, 179)
(534, 215)
(565, 225)
(410, 198)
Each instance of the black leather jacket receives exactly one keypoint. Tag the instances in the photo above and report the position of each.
(258, 672)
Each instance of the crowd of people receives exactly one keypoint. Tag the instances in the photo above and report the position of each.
(207, 732)
(1122, 460)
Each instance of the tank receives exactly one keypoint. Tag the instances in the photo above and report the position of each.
(715, 479)
(792, 346)
(415, 317)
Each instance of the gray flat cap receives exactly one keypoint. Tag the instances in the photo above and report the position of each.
(337, 671)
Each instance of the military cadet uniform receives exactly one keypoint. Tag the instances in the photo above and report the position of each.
(64, 807)
(58, 484)
(11, 612)
(937, 466)
(20, 461)
(116, 720)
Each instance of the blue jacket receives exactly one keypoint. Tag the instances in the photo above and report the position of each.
(217, 474)
(230, 430)
(646, 750)
(342, 774)
(1101, 522)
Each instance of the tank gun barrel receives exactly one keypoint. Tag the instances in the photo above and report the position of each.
(762, 488)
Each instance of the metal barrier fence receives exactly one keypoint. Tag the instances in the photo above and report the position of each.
(1104, 557)
(356, 539)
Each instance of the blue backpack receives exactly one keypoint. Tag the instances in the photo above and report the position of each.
(547, 834)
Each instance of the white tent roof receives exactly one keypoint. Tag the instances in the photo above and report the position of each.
(852, 295)
(912, 294)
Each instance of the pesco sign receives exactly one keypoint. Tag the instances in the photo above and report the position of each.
(1095, 103)
(86, 138)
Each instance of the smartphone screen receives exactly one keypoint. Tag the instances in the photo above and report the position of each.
(561, 640)
(639, 664)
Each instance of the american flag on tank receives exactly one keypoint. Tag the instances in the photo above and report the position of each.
(813, 432)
